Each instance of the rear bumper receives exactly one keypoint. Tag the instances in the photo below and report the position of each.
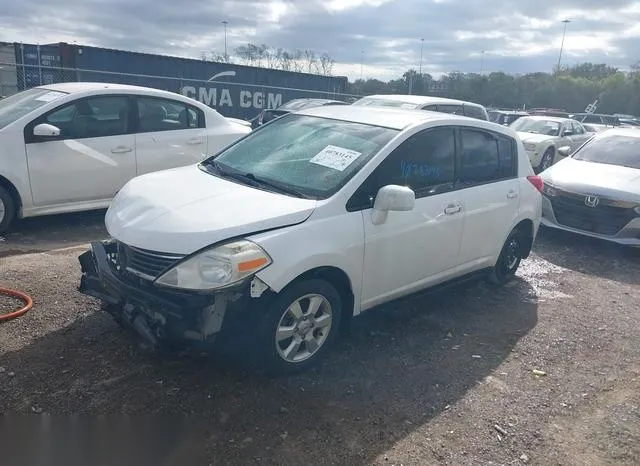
(629, 235)
(159, 315)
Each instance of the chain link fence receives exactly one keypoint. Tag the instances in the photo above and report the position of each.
(230, 98)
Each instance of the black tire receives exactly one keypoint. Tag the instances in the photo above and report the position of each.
(268, 352)
(509, 259)
(7, 210)
(547, 160)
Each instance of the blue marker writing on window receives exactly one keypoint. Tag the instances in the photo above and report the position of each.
(419, 169)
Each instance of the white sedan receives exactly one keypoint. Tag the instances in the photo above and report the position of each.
(542, 136)
(71, 147)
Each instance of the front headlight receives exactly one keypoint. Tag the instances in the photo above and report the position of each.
(217, 267)
(529, 146)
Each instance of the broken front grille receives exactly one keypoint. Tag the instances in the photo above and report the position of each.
(144, 263)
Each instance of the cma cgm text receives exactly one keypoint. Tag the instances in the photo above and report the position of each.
(246, 99)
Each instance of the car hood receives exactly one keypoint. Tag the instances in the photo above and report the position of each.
(185, 209)
(534, 138)
(599, 179)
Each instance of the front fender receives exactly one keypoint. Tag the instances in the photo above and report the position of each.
(336, 242)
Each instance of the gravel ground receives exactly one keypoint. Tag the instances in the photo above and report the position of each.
(442, 378)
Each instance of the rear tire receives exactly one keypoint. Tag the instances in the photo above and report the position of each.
(299, 326)
(547, 160)
(7, 210)
(509, 259)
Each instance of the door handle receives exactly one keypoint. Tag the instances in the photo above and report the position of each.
(121, 150)
(452, 209)
(512, 194)
(195, 141)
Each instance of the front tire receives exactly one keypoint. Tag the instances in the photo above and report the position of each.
(7, 210)
(509, 259)
(547, 160)
(300, 325)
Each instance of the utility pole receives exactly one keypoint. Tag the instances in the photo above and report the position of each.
(564, 32)
(226, 59)
(481, 62)
(361, 63)
(421, 49)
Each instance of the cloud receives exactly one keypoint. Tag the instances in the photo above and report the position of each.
(516, 36)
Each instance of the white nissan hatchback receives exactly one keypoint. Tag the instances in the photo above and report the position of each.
(312, 219)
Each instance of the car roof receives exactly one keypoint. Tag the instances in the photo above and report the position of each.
(77, 87)
(418, 99)
(549, 118)
(617, 131)
(396, 118)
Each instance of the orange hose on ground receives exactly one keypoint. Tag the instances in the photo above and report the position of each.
(28, 303)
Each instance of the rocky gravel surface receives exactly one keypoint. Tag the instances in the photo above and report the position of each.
(544, 371)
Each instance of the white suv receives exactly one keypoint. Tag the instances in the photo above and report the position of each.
(425, 102)
(310, 220)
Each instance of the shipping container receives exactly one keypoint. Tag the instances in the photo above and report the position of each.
(38, 65)
(234, 90)
(8, 73)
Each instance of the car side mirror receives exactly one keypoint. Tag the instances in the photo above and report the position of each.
(46, 130)
(564, 151)
(392, 198)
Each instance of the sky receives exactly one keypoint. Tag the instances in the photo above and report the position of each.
(378, 38)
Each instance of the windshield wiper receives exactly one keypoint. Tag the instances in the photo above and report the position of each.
(278, 186)
(252, 180)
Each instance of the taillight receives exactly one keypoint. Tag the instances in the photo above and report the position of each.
(537, 181)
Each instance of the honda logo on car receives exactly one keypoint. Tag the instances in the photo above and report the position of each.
(591, 201)
(216, 97)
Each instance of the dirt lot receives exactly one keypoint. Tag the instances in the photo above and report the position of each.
(437, 379)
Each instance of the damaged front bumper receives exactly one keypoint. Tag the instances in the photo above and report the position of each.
(158, 315)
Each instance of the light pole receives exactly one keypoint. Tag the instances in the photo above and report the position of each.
(225, 40)
(564, 32)
(482, 62)
(361, 63)
(421, 49)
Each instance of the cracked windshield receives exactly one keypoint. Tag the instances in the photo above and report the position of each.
(351, 232)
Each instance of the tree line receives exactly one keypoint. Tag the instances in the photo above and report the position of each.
(264, 56)
(569, 88)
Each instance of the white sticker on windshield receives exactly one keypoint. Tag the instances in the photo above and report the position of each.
(49, 96)
(335, 157)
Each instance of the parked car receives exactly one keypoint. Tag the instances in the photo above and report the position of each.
(542, 136)
(423, 102)
(505, 117)
(596, 118)
(294, 105)
(554, 112)
(595, 128)
(596, 191)
(316, 217)
(70, 147)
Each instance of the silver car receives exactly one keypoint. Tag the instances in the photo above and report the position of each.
(596, 191)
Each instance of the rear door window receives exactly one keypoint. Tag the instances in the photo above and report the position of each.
(478, 157)
(448, 108)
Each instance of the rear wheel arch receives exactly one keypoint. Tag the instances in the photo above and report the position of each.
(526, 228)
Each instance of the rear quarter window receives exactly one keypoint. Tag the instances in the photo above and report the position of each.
(476, 112)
